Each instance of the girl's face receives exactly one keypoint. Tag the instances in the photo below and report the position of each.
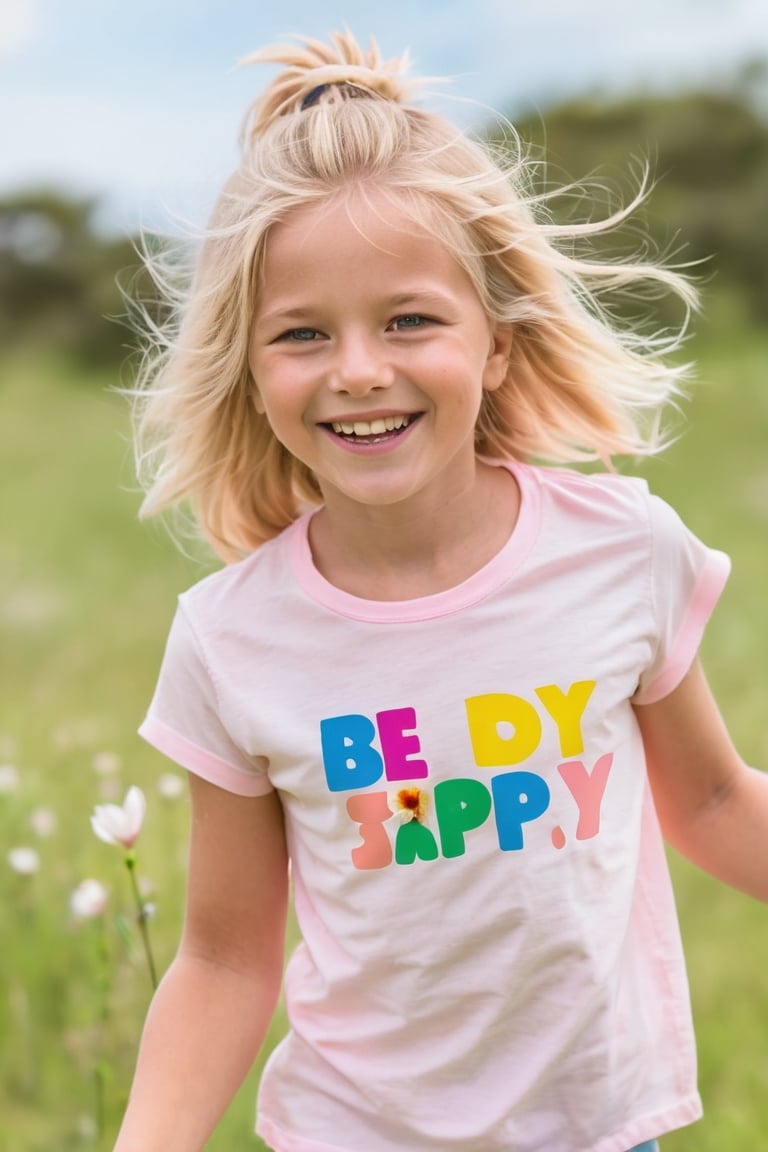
(370, 350)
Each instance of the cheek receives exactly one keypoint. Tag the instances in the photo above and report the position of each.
(270, 390)
(283, 405)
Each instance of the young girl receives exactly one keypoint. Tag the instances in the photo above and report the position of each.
(456, 691)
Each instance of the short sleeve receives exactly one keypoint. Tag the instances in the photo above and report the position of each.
(184, 722)
(686, 580)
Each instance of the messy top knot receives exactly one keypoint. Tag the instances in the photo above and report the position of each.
(337, 71)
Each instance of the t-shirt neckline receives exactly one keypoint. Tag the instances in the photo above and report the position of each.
(475, 588)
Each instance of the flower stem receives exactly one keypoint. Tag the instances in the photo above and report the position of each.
(130, 863)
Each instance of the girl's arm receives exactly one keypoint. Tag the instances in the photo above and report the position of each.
(210, 1014)
(712, 807)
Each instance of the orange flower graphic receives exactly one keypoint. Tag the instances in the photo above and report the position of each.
(411, 804)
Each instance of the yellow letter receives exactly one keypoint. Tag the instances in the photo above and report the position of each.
(567, 709)
(492, 747)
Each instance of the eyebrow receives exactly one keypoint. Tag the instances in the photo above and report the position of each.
(283, 314)
(421, 297)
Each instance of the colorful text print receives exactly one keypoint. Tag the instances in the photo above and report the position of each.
(504, 730)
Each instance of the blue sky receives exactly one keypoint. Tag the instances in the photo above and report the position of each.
(139, 101)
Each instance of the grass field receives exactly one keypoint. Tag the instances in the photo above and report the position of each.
(86, 597)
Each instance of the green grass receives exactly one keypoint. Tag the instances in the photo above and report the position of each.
(86, 597)
(717, 477)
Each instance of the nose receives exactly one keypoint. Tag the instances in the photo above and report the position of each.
(360, 365)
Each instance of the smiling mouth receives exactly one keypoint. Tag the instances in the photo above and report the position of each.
(372, 431)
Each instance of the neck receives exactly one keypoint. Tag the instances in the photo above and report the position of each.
(405, 552)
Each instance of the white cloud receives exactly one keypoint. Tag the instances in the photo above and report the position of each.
(141, 102)
(21, 25)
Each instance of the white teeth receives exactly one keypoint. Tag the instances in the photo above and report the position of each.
(370, 427)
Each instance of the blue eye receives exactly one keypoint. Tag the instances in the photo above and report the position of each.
(300, 335)
(406, 323)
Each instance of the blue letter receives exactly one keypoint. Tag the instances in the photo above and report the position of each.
(348, 758)
(518, 797)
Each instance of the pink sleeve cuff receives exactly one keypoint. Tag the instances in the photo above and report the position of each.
(683, 652)
(205, 764)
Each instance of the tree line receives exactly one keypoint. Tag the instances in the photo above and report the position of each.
(707, 157)
(59, 277)
(707, 153)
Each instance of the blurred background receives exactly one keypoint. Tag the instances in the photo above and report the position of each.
(120, 118)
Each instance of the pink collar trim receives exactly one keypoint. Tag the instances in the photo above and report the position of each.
(477, 587)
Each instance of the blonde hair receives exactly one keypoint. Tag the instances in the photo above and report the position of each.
(338, 118)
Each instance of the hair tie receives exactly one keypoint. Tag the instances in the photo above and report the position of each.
(354, 90)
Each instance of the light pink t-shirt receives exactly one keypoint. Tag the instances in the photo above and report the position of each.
(490, 956)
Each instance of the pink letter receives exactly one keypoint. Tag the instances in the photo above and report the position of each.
(398, 741)
(587, 789)
(370, 810)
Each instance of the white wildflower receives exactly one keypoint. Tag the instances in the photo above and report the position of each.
(88, 900)
(25, 861)
(9, 779)
(170, 785)
(120, 824)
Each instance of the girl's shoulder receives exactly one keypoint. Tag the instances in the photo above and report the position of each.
(588, 496)
(254, 579)
(614, 485)
(599, 509)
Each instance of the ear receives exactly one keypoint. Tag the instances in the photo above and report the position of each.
(497, 364)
